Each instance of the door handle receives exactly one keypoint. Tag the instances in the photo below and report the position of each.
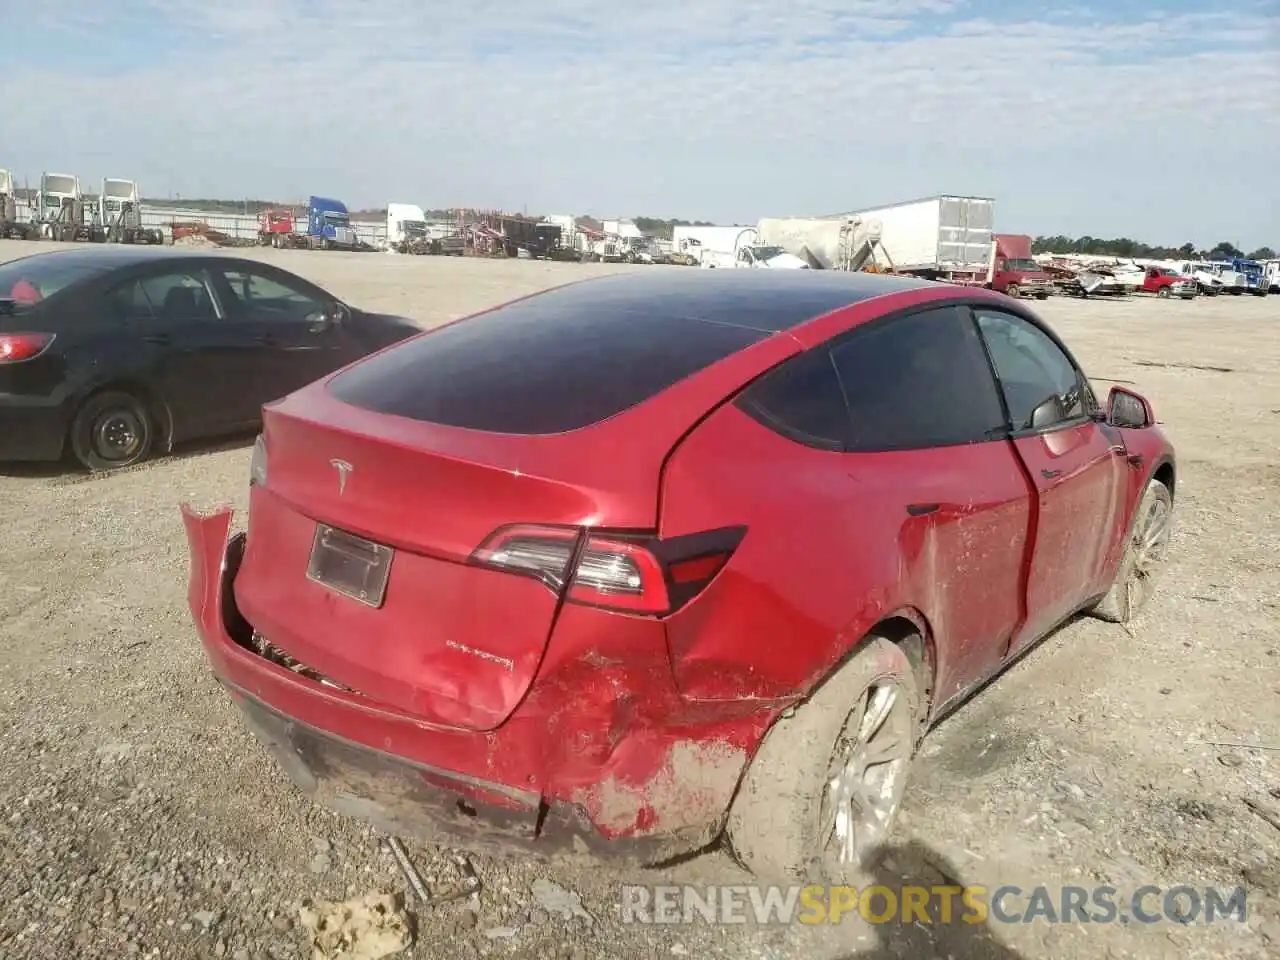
(1135, 460)
(922, 509)
(1050, 474)
(266, 340)
(160, 339)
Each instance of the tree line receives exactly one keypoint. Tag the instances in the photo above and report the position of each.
(1126, 248)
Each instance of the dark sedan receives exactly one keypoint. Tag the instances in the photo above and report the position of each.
(115, 352)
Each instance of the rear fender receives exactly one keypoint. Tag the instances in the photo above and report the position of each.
(775, 622)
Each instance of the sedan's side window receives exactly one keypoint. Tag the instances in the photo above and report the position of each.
(1034, 372)
(918, 380)
(802, 400)
(180, 296)
(266, 298)
(129, 301)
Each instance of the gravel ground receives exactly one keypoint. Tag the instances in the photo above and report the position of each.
(138, 817)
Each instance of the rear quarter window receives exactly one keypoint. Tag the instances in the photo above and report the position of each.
(545, 365)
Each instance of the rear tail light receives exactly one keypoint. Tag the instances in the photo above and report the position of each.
(617, 572)
(16, 347)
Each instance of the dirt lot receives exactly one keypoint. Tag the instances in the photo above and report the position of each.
(139, 817)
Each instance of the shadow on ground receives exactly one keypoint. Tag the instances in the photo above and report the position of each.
(67, 470)
(914, 864)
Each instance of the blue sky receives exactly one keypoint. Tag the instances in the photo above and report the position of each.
(1155, 121)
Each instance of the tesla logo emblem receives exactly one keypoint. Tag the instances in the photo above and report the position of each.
(344, 470)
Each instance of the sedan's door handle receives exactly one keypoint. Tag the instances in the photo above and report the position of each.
(1050, 474)
(159, 339)
(266, 339)
(922, 509)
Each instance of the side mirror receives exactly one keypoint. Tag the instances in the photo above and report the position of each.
(1048, 412)
(1128, 409)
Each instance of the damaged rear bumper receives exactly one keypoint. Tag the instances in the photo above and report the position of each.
(584, 769)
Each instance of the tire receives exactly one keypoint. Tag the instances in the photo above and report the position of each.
(103, 425)
(1013, 290)
(1163, 293)
(774, 823)
(1143, 557)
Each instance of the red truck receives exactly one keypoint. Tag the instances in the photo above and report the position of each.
(275, 228)
(1165, 282)
(1012, 271)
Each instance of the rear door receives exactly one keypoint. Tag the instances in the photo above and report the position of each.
(1079, 474)
(294, 321)
(203, 363)
(928, 427)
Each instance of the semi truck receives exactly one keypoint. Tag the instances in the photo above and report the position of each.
(120, 214)
(60, 210)
(1012, 270)
(1271, 275)
(1206, 280)
(693, 245)
(10, 227)
(329, 225)
(944, 237)
(275, 229)
(1248, 274)
(407, 229)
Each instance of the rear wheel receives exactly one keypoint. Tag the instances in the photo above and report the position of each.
(1144, 556)
(822, 792)
(112, 430)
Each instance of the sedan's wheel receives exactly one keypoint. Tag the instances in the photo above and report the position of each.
(1144, 556)
(112, 430)
(822, 792)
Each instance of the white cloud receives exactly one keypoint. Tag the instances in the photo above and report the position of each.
(1157, 125)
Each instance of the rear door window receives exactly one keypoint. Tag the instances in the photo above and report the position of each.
(180, 296)
(129, 301)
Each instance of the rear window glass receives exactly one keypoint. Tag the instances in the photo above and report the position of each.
(32, 279)
(548, 364)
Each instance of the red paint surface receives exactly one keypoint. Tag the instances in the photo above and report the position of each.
(584, 702)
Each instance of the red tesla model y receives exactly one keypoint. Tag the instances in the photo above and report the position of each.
(652, 559)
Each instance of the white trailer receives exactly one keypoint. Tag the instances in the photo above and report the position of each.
(407, 229)
(845, 243)
(120, 213)
(944, 237)
(624, 229)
